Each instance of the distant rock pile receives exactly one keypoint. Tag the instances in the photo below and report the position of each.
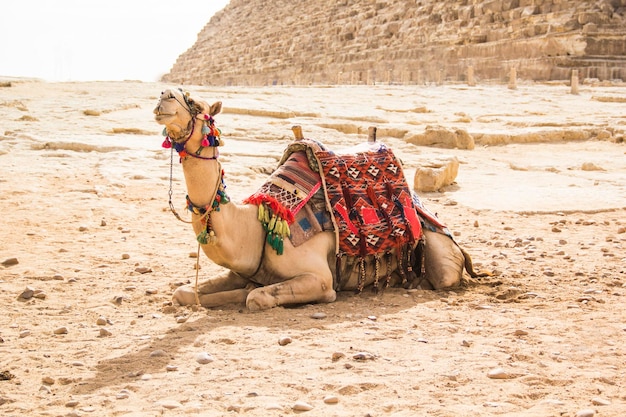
(255, 42)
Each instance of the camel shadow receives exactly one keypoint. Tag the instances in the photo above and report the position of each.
(348, 307)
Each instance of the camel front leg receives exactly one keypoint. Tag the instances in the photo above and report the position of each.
(305, 288)
(223, 289)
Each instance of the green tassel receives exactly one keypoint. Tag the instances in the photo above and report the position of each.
(279, 244)
(202, 238)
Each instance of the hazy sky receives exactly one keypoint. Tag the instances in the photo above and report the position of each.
(81, 40)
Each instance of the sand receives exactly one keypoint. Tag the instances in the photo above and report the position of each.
(91, 254)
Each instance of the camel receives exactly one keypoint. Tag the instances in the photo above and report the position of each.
(232, 236)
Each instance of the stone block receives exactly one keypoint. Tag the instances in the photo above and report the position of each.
(436, 174)
(442, 137)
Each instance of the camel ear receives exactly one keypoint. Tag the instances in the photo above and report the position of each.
(215, 108)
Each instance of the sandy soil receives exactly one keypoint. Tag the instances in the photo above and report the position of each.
(91, 253)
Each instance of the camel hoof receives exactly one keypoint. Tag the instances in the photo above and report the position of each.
(259, 300)
(184, 295)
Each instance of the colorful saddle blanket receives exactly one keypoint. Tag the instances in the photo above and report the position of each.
(367, 199)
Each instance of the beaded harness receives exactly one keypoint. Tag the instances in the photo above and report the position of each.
(211, 139)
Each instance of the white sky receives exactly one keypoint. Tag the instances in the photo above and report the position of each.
(83, 40)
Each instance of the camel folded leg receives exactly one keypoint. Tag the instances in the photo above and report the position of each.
(305, 288)
(223, 289)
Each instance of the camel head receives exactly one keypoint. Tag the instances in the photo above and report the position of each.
(177, 112)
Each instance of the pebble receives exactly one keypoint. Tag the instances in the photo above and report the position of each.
(46, 389)
(24, 333)
(181, 319)
(171, 368)
(61, 330)
(146, 377)
(203, 358)
(104, 332)
(143, 270)
(600, 401)
(157, 353)
(14, 261)
(47, 380)
(587, 412)
(331, 399)
(318, 316)
(151, 291)
(285, 340)
(102, 321)
(302, 406)
(27, 294)
(122, 395)
(363, 356)
(339, 355)
(170, 404)
(125, 256)
(498, 373)
(71, 403)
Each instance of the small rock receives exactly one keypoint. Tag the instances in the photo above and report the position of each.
(71, 403)
(102, 321)
(302, 406)
(143, 270)
(203, 358)
(363, 356)
(157, 353)
(40, 295)
(27, 294)
(61, 330)
(151, 291)
(372, 318)
(170, 404)
(600, 401)
(46, 389)
(339, 355)
(498, 373)
(146, 377)
(47, 380)
(520, 333)
(331, 399)
(103, 222)
(285, 340)
(122, 395)
(83, 228)
(318, 316)
(171, 368)
(181, 319)
(14, 261)
(556, 230)
(104, 332)
(466, 343)
(587, 412)
(24, 333)
(125, 256)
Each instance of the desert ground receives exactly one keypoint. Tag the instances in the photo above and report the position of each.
(91, 253)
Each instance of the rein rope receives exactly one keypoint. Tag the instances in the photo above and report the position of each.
(211, 138)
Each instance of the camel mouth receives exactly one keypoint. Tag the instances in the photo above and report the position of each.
(160, 117)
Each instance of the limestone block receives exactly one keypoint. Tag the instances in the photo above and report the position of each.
(442, 137)
(435, 175)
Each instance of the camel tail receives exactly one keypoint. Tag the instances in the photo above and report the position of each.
(469, 266)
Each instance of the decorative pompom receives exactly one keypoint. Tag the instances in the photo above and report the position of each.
(164, 133)
(205, 130)
(206, 116)
(205, 142)
(167, 143)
